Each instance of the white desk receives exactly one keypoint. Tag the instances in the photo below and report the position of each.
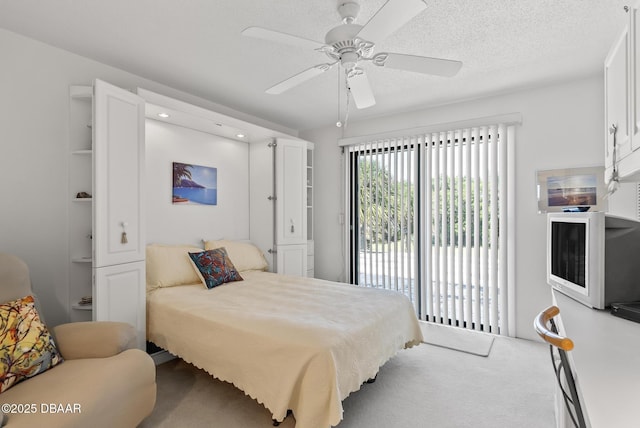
(606, 359)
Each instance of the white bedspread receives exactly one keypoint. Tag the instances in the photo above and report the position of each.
(290, 343)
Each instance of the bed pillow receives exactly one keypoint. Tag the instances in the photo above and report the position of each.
(26, 346)
(214, 267)
(244, 255)
(169, 265)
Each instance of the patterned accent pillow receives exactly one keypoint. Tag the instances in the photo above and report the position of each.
(26, 347)
(214, 267)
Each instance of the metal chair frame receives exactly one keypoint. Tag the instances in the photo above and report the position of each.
(563, 345)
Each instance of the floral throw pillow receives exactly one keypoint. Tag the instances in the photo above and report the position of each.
(214, 267)
(26, 346)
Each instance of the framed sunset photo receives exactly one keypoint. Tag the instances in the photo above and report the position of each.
(571, 189)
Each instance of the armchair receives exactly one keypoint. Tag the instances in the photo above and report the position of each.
(103, 381)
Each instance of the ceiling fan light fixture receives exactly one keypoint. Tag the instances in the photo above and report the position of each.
(350, 44)
(349, 59)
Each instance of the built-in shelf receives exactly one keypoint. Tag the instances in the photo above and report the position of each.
(80, 218)
(310, 246)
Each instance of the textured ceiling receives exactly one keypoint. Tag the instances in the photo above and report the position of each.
(196, 46)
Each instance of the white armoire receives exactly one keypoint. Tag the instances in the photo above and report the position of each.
(281, 194)
(107, 241)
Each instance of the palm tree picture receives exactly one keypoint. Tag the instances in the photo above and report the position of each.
(194, 184)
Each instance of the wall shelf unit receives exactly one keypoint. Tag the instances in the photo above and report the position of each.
(80, 209)
(310, 244)
(282, 227)
(106, 165)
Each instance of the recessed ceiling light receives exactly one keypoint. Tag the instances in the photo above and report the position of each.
(163, 115)
(240, 135)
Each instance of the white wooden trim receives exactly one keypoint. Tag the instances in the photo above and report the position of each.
(210, 121)
(511, 234)
(506, 119)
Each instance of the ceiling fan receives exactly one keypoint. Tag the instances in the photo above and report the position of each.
(350, 45)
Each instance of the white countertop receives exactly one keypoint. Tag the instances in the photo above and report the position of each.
(606, 358)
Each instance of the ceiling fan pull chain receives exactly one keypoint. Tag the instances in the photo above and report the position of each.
(339, 122)
(346, 114)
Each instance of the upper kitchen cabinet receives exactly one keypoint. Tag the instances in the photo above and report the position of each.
(622, 106)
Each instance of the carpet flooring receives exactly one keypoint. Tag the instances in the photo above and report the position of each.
(425, 386)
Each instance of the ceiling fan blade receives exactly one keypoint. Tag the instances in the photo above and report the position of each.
(299, 78)
(419, 64)
(390, 17)
(279, 37)
(360, 88)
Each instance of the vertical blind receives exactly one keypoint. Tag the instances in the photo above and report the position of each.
(383, 216)
(428, 219)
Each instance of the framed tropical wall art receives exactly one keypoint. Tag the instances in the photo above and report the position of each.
(194, 184)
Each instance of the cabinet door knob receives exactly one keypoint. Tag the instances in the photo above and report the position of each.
(123, 237)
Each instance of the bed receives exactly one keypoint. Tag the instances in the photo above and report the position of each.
(291, 343)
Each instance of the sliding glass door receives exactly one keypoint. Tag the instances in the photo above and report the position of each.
(426, 219)
(383, 253)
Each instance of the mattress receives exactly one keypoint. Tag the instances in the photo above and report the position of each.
(288, 342)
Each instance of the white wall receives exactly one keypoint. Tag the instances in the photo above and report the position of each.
(563, 127)
(188, 224)
(34, 159)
